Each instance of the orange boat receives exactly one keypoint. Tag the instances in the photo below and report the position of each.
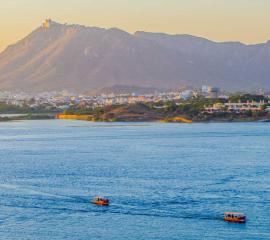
(234, 217)
(101, 201)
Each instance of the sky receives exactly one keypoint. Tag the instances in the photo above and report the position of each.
(219, 20)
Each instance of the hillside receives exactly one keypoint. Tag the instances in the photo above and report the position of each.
(81, 59)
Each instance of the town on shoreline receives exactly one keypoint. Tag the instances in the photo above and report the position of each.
(184, 105)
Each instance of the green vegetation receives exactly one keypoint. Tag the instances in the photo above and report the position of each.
(27, 117)
(26, 113)
(85, 110)
(192, 109)
(25, 109)
(247, 97)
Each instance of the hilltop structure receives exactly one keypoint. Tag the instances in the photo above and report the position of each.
(47, 23)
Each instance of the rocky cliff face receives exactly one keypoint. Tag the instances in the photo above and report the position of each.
(78, 58)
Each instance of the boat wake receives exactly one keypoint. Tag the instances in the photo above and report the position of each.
(58, 204)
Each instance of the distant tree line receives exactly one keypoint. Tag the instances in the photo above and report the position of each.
(25, 109)
(247, 97)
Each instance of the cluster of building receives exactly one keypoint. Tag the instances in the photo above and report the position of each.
(239, 107)
(63, 100)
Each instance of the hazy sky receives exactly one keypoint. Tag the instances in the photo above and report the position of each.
(220, 20)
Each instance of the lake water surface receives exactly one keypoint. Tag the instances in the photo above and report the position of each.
(165, 181)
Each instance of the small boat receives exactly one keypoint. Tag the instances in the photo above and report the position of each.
(234, 217)
(101, 201)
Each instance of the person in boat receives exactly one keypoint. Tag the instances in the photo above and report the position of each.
(101, 201)
(234, 217)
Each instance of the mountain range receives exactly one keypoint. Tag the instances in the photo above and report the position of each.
(78, 58)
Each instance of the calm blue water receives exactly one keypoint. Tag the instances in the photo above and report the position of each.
(165, 181)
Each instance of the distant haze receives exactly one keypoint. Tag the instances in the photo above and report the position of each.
(80, 58)
(219, 20)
